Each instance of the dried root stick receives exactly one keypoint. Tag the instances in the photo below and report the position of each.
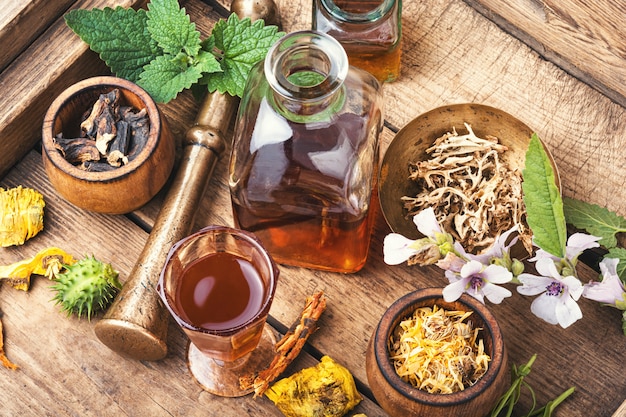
(288, 348)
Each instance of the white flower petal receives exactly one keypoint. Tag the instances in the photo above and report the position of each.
(579, 242)
(495, 293)
(497, 274)
(426, 222)
(567, 312)
(603, 292)
(544, 307)
(454, 290)
(396, 249)
(608, 267)
(547, 268)
(477, 294)
(574, 286)
(533, 284)
(471, 268)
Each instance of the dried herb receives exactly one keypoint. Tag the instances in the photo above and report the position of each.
(476, 196)
(438, 350)
(111, 135)
(21, 215)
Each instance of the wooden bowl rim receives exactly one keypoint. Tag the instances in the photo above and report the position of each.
(90, 86)
(390, 198)
(404, 306)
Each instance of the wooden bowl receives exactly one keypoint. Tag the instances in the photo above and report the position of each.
(411, 142)
(399, 398)
(122, 189)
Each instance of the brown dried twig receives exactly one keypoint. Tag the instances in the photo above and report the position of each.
(288, 348)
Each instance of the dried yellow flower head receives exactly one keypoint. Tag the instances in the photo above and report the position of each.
(21, 215)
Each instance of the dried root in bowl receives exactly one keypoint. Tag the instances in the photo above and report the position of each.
(476, 196)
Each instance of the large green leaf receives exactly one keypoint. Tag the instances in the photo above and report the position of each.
(544, 206)
(594, 219)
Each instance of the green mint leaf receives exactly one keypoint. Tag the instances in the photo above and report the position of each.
(544, 206)
(596, 220)
(619, 253)
(171, 28)
(240, 44)
(167, 76)
(119, 36)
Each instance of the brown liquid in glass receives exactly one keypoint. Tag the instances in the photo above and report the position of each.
(304, 216)
(220, 291)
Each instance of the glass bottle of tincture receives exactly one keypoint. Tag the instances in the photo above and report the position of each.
(305, 154)
(370, 31)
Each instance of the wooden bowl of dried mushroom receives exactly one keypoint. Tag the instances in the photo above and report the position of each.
(465, 161)
(106, 147)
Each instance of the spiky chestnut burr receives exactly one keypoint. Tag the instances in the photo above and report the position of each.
(85, 287)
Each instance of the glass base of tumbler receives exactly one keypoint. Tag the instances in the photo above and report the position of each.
(222, 380)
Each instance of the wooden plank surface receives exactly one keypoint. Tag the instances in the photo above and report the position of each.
(22, 21)
(574, 34)
(66, 371)
(54, 61)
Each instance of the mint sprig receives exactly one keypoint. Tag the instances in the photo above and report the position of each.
(544, 206)
(160, 49)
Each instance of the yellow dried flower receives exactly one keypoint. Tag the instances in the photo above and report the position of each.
(327, 389)
(47, 262)
(21, 215)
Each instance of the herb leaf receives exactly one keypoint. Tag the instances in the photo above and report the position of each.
(544, 206)
(171, 28)
(596, 220)
(160, 49)
(240, 45)
(120, 36)
(167, 76)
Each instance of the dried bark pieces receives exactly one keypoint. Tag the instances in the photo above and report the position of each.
(111, 135)
(288, 348)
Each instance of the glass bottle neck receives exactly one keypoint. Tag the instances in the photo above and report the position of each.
(306, 71)
(356, 12)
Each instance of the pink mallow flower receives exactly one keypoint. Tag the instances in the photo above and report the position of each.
(558, 295)
(479, 281)
(610, 290)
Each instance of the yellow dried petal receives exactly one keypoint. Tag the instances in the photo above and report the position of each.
(21, 215)
(436, 350)
(46, 262)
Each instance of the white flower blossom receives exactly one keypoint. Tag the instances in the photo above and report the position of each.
(611, 289)
(558, 295)
(479, 281)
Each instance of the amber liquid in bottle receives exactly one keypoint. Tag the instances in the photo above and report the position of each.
(375, 49)
(218, 292)
(309, 217)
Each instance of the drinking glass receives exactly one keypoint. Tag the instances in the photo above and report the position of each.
(218, 284)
